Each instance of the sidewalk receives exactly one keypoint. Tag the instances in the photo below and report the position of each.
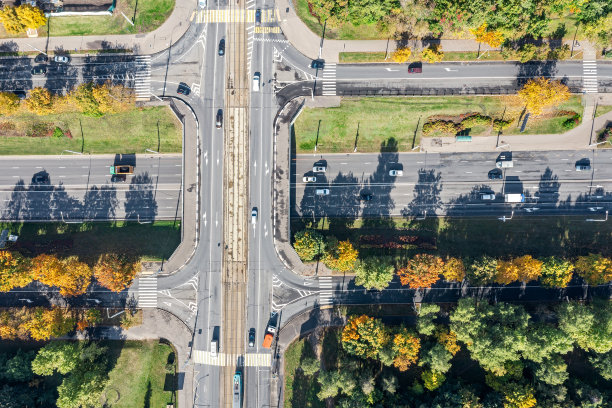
(146, 43)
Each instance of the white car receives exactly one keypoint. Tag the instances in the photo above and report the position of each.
(319, 169)
(309, 179)
(487, 196)
(202, 3)
(214, 347)
(62, 59)
(322, 191)
(396, 173)
(254, 216)
(256, 80)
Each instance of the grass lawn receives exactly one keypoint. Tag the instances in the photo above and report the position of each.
(139, 374)
(603, 109)
(151, 242)
(128, 132)
(300, 390)
(339, 126)
(351, 57)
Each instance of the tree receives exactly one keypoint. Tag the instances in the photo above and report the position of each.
(14, 271)
(587, 325)
(113, 98)
(308, 244)
(603, 364)
(83, 98)
(332, 382)
(115, 272)
(432, 54)
(389, 383)
(454, 270)
(40, 101)
(519, 396)
(544, 340)
(406, 347)
(556, 272)
(528, 268)
(449, 340)
(82, 388)
(594, 269)
(58, 356)
(432, 379)
(42, 324)
(541, 93)
(422, 271)
(364, 336)
(9, 102)
(374, 273)
(492, 38)
(552, 371)
(30, 17)
(70, 276)
(507, 272)
(427, 313)
(401, 55)
(437, 358)
(310, 366)
(342, 257)
(482, 270)
(10, 20)
(19, 367)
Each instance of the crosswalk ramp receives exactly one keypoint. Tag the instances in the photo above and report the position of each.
(147, 292)
(325, 293)
(329, 80)
(226, 360)
(142, 78)
(589, 76)
(237, 16)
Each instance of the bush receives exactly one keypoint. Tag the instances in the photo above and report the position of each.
(476, 120)
(442, 126)
(500, 124)
(58, 133)
(604, 135)
(572, 122)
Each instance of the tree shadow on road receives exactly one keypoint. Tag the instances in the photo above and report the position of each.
(140, 201)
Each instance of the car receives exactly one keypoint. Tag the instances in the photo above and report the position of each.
(39, 70)
(487, 196)
(322, 191)
(118, 178)
(415, 69)
(583, 166)
(317, 64)
(21, 93)
(214, 348)
(495, 174)
(202, 3)
(366, 196)
(309, 179)
(256, 81)
(222, 47)
(252, 337)
(41, 58)
(254, 215)
(183, 89)
(219, 120)
(61, 59)
(258, 16)
(319, 169)
(40, 178)
(396, 173)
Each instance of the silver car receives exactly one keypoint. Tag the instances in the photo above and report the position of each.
(322, 191)
(309, 179)
(396, 173)
(319, 169)
(254, 215)
(487, 196)
(61, 59)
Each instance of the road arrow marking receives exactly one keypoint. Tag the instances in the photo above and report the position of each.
(392, 70)
(204, 216)
(450, 70)
(206, 157)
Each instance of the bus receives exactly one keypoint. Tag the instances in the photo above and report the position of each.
(237, 401)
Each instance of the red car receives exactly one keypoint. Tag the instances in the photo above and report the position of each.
(415, 70)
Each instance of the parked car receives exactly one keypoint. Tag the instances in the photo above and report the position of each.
(41, 58)
(322, 191)
(222, 47)
(487, 196)
(396, 173)
(254, 215)
(39, 70)
(219, 120)
(495, 174)
(252, 337)
(61, 59)
(317, 64)
(183, 89)
(319, 169)
(309, 179)
(258, 16)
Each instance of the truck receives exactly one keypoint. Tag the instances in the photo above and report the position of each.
(270, 332)
(121, 169)
(515, 198)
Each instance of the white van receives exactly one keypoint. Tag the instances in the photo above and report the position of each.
(256, 80)
(214, 347)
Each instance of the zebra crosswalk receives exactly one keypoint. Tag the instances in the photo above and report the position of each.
(329, 80)
(224, 360)
(325, 294)
(142, 82)
(147, 292)
(589, 76)
(236, 16)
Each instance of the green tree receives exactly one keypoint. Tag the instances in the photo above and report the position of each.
(19, 367)
(334, 382)
(374, 273)
(309, 244)
(588, 326)
(482, 270)
(544, 340)
(389, 383)
(83, 98)
(432, 379)
(427, 313)
(552, 371)
(82, 388)
(437, 358)
(556, 272)
(310, 366)
(603, 364)
(58, 356)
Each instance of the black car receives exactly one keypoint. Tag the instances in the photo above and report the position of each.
(118, 178)
(40, 178)
(183, 89)
(41, 58)
(258, 16)
(495, 174)
(252, 337)
(222, 47)
(317, 64)
(39, 70)
(219, 120)
(366, 196)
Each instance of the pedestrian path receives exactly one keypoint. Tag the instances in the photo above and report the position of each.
(589, 76)
(325, 294)
(225, 360)
(147, 292)
(236, 16)
(142, 83)
(329, 80)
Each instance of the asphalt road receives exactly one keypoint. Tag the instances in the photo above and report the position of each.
(77, 188)
(450, 183)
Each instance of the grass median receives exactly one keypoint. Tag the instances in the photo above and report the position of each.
(370, 122)
(129, 132)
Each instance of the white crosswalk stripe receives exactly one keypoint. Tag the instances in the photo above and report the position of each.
(225, 360)
(236, 16)
(147, 292)
(325, 295)
(589, 76)
(142, 83)
(329, 80)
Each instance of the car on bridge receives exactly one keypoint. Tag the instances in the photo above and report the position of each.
(487, 196)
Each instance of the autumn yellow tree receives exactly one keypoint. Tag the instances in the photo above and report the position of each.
(14, 271)
(507, 272)
(115, 272)
(492, 38)
(432, 54)
(541, 93)
(448, 339)
(528, 267)
(401, 55)
(454, 269)
(18, 19)
(364, 336)
(594, 268)
(70, 276)
(43, 324)
(10, 20)
(422, 271)
(406, 347)
(40, 101)
(113, 98)
(9, 103)
(342, 257)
